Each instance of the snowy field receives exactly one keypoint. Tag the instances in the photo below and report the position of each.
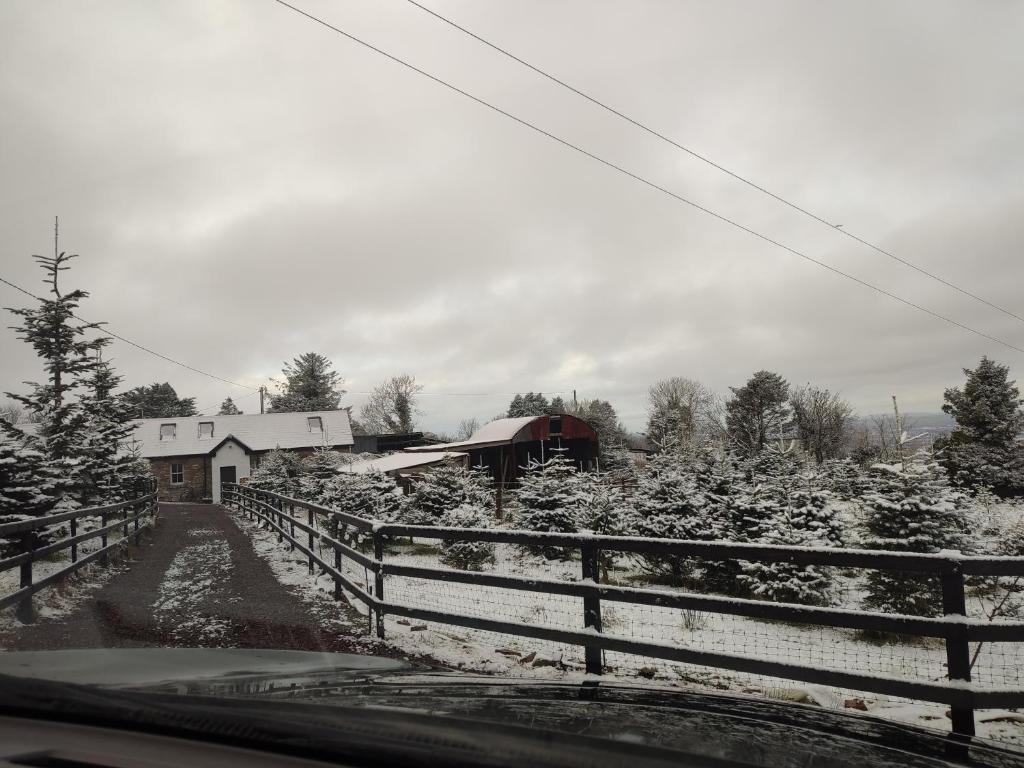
(507, 655)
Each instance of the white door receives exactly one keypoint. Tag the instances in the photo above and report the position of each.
(230, 463)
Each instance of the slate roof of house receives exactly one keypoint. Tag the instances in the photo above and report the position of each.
(398, 461)
(258, 431)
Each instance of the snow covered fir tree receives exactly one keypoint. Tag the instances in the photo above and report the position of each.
(910, 507)
(82, 427)
(446, 488)
(550, 494)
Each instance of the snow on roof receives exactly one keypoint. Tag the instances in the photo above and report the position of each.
(257, 431)
(399, 461)
(493, 433)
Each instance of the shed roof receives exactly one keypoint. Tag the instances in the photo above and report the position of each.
(398, 461)
(258, 431)
(493, 433)
(506, 431)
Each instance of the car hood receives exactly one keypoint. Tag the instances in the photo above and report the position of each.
(733, 729)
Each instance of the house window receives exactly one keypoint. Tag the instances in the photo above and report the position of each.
(315, 425)
(205, 429)
(177, 474)
(167, 431)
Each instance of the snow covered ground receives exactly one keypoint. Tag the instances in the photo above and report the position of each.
(495, 653)
(66, 595)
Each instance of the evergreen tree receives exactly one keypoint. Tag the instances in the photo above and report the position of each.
(530, 404)
(69, 357)
(228, 408)
(550, 495)
(444, 488)
(669, 505)
(611, 434)
(280, 472)
(605, 511)
(557, 406)
(910, 508)
(982, 450)
(758, 412)
(319, 473)
(157, 401)
(719, 479)
(788, 582)
(27, 488)
(311, 384)
(108, 474)
(469, 555)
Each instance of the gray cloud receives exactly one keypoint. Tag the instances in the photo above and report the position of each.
(244, 186)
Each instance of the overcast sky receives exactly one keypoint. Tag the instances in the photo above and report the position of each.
(244, 185)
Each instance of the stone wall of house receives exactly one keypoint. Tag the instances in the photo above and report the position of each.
(196, 485)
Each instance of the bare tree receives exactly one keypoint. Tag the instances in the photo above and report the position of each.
(823, 421)
(12, 412)
(680, 413)
(391, 408)
(466, 428)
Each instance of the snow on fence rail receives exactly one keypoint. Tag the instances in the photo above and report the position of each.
(955, 628)
(131, 517)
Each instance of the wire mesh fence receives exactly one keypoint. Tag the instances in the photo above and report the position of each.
(524, 612)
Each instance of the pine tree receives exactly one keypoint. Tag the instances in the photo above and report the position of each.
(605, 511)
(719, 479)
(550, 494)
(757, 412)
(157, 401)
(27, 489)
(788, 582)
(444, 488)
(982, 450)
(320, 471)
(311, 384)
(228, 408)
(279, 472)
(910, 508)
(467, 554)
(530, 404)
(669, 505)
(69, 357)
(108, 431)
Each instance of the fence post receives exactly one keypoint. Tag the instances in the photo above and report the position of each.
(124, 525)
(26, 612)
(74, 532)
(135, 524)
(337, 566)
(958, 651)
(592, 605)
(378, 581)
(309, 537)
(103, 537)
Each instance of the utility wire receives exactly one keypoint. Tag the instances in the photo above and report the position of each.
(713, 164)
(642, 180)
(111, 334)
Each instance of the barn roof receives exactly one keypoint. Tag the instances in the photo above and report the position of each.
(258, 431)
(505, 431)
(398, 461)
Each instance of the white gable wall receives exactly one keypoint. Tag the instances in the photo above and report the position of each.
(231, 454)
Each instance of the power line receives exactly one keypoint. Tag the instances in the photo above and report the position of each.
(642, 180)
(704, 159)
(111, 334)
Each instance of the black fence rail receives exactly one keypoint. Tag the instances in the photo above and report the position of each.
(127, 518)
(954, 627)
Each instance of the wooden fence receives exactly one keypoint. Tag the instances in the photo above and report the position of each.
(955, 628)
(128, 517)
